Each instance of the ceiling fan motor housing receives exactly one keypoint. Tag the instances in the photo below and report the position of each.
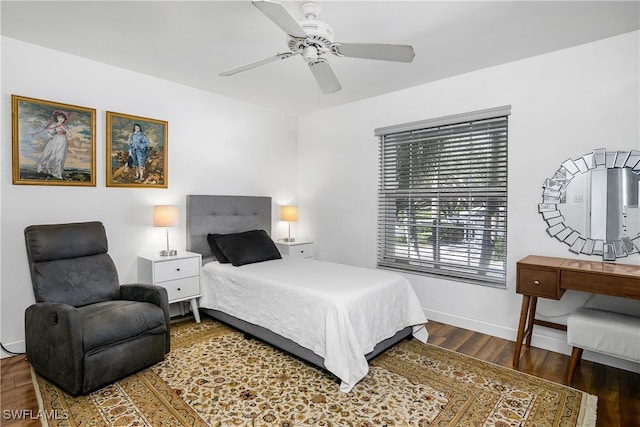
(319, 35)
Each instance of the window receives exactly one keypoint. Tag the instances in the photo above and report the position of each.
(442, 202)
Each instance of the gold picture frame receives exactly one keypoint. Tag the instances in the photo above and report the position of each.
(52, 143)
(137, 154)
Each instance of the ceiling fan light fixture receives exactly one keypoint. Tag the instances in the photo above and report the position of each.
(310, 54)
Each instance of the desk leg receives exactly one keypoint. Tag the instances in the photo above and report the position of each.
(532, 316)
(524, 315)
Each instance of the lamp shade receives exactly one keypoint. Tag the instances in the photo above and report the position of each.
(165, 216)
(289, 213)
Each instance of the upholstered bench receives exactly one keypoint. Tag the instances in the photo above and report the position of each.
(602, 331)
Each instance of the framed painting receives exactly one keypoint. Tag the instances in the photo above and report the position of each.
(52, 143)
(137, 154)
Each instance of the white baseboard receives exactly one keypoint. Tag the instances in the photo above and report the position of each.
(545, 338)
(16, 347)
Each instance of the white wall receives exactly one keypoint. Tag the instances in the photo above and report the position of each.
(564, 105)
(216, 146)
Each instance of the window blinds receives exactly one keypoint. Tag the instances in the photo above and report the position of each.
(442, 205)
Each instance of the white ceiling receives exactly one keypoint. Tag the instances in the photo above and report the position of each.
(190, 42)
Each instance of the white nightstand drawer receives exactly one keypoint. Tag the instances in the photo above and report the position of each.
(302, 251)
(183, 289)
(176, 269)
(296, 249)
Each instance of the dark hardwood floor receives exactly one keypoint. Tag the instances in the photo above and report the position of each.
(17, 393)
(618, 391)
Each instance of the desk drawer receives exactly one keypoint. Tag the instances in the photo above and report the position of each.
(538, 282)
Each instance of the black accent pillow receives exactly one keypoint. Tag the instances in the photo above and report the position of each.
(247, 247)
(211, 239)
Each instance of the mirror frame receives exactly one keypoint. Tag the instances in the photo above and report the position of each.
(553, 193)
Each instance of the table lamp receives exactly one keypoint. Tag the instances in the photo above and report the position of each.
(166, 216)
(289, 214)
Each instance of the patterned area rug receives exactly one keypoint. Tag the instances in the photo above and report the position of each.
(214, 377)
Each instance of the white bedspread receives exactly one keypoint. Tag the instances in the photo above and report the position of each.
(337, 311)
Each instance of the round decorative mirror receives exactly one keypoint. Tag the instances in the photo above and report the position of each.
(598, 213)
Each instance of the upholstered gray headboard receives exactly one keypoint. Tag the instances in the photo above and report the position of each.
(222, 215)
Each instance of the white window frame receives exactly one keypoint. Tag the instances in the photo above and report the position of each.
(442, 200)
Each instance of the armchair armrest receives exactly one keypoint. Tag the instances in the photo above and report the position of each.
(49, 328)
(149, 293)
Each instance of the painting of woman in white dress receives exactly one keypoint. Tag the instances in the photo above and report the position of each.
(55, 152)
(53, 143)
(136, 151)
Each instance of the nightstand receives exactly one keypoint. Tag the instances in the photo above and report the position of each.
(296, 249)
(179, 274)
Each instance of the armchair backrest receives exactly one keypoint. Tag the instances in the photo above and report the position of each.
(69, 263)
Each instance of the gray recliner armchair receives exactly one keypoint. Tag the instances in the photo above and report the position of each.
(85, 330)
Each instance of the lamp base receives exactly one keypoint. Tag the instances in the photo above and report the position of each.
(170, 252)
(289, 239)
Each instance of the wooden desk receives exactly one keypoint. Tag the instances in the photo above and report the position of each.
(549, 277)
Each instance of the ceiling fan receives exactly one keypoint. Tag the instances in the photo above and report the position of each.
(312, 39)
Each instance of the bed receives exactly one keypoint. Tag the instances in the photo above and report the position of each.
(334, 316)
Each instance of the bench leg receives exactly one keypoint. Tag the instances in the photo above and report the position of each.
(576, 355)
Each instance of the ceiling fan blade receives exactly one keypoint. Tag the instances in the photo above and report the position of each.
(255, 64)
(325, 76)
(281, 17)
(384, 52)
